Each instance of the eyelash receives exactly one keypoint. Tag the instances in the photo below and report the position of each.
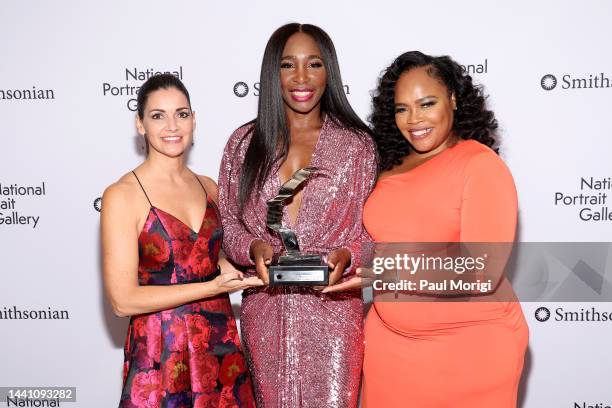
(289, 65)
(424, 105)
(182, 115)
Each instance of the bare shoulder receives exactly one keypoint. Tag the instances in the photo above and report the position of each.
(211, 187)
(123, 195)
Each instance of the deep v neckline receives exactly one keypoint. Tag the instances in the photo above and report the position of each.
(311, 163)
(183, 222)
(154, 209)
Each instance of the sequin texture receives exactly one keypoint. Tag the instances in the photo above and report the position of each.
(304, 348)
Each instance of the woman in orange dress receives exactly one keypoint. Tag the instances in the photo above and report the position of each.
(441, 181)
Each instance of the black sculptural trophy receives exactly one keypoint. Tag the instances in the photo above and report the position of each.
(294, 267)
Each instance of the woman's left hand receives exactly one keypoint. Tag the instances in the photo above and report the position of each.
(338, 260)
(356, 282)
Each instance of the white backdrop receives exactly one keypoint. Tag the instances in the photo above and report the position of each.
(77, 138)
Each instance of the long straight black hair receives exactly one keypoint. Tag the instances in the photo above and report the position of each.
(270, 140)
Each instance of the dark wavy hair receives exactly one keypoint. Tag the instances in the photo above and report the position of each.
(270, 140)
(472, 119)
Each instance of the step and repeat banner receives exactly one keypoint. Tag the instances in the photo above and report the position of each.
(69, 78)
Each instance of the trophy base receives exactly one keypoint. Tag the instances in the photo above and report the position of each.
(301, 270)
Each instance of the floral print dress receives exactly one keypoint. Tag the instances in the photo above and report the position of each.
(188, 356)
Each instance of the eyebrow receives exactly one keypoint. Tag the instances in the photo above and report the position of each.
(163, 111)
(294, 57)
(418, 100)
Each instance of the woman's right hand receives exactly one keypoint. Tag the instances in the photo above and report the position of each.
(234, 281)
(261, 253)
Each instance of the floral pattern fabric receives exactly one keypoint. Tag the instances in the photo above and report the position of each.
(188, 356)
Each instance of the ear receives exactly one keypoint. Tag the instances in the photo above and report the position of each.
(193, 116)
(140, 126)
(453, 102)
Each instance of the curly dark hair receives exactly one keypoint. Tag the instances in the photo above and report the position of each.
(472, 119)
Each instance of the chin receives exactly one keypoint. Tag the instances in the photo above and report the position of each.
(303, 109)
(174, 152)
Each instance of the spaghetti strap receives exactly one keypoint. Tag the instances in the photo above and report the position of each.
(143, 190)
(203, 188)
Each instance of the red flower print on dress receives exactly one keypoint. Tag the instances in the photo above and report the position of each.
(199, 332)
(126, 369)
(205, 368)
(231, 335)
(231, 367)
(166, 315)
(245, 393)
(200, 262)
(207, 400)
(146, 392)
(177, 230)
(176, 373)
(143, 276)
(181, 249)
(178, 332)
(221, 305)
(140, 355)
(227, 400)
(139, 327)
(174, 357)
(155, 251)
(154, 341)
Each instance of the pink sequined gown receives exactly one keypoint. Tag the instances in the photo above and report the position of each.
(304, 348)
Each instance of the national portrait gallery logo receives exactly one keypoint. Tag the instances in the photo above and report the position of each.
(478, 67)
(600, 80)
(12, 195)
(131, 80)
(588, 199)
(243, 89)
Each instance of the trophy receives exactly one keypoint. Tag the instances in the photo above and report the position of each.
(294, 267)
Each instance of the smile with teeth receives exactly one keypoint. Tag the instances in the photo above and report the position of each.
(421, 133)
(301, 95)
(171, 138)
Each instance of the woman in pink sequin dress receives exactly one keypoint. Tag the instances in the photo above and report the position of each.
(304, 347)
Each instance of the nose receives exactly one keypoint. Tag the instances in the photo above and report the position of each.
(300, 74)
(413, 116)
(171, 123)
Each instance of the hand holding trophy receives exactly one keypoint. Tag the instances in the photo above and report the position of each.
(294, 267)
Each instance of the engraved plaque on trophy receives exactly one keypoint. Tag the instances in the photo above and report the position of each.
(293, 267)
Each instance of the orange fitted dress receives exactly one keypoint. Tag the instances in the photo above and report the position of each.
(444, 354)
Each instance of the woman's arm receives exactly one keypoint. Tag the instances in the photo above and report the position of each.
(120, 264)
(237, 240)
(365, 171)
(489, 204)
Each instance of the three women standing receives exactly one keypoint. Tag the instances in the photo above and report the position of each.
(440, 182)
